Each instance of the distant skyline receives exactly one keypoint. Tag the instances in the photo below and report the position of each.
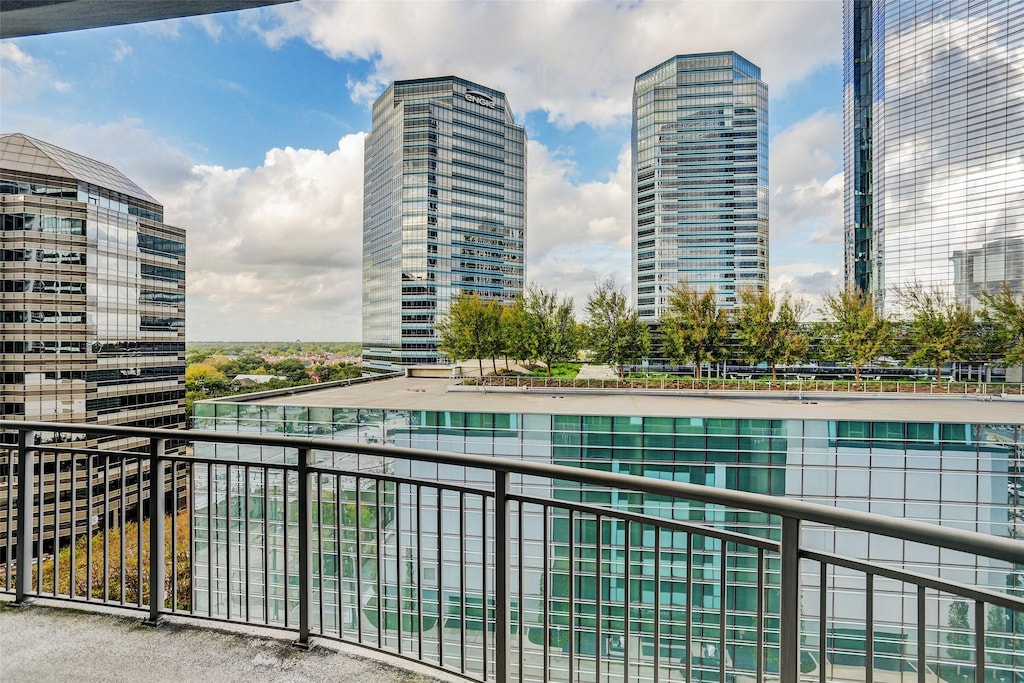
(249, 128)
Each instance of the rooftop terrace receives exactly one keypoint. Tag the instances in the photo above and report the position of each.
(411, 393)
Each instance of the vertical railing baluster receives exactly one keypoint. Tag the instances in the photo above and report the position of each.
(571, 603)
(74, 525)
(759, 647)
(722, 604)
(979, 642)
(822, 619)
(789, 598)
(599, 603)
(548, 577)
(380, 551)
(305, 549)
(626, 602)
(41, 508)
(689, 607)
(657, 604)
(502, 584)
(870, 621)
(921, 616)
(157, 558)
(227, 539)
(246, 542)
(26, 453)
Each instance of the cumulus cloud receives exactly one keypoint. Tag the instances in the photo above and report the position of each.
(22, 76)
(574, 60)
(577, 233)
(809, 281)
(805, 165)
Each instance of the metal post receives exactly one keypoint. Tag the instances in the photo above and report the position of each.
(305, 551)
(789, 608)
(26, 442)
(502, 583)
(157, 558)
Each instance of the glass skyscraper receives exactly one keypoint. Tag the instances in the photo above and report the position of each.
(700, 179)
(444, 212)
(934, 146)
(92, 312)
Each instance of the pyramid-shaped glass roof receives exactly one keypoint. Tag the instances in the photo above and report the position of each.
(19, 152)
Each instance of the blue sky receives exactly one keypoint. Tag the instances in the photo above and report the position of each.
(249, 126)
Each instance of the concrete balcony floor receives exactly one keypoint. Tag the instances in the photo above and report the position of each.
(53, 644)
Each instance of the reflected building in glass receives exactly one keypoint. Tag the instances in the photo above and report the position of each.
(444, 212)
(92, 304)
(934, 147)
(700, 179)
(951, 471)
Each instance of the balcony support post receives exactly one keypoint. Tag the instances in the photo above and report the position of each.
(789, 608)
(26, 489)
(502, 574)
(305, 549)
(157, 552)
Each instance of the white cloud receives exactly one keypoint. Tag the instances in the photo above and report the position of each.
(121, 50)
(575, 60)
(805, 174)
(576, 233)
(22, 76)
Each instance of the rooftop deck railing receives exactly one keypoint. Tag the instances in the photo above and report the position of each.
(487, 570)
(746, 382)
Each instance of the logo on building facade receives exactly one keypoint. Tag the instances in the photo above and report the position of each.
(481, 99)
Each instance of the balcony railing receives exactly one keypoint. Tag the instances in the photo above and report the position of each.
(486, 568)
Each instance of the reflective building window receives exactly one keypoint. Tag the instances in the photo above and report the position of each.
(444, 212)
(700, 179)
(934, 147)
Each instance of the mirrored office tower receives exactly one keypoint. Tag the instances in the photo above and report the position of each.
(92, 322)
(444, 212)
(934, 146)
(700, 179)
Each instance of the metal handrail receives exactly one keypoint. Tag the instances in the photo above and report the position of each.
(792, 513)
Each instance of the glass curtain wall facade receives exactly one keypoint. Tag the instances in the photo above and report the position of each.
(964, 475)
(444, 212)
(700, 179)
(934, 147)
(92, 304)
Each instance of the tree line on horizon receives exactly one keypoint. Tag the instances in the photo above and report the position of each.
(764, 328)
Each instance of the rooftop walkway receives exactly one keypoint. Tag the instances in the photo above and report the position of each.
(55, 644)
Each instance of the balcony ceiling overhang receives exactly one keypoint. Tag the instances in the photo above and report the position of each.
(34, 17)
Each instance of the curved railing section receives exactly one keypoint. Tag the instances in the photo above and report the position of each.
(485, 568)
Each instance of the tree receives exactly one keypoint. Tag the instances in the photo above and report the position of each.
(769, 328)
(853, 331)
(959, 636)
(291, 368)
(550, 326)
(1003, 316)
(693, 327)
(940, 329)
(469, 329)
(615, 333)
(512, 330)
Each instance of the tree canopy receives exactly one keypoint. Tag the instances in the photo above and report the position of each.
(853, 332)
(940, 329)
(470, 329)
(615, 334)
(550, 326)
(693, 328)
(1003, 318)
(768, 327)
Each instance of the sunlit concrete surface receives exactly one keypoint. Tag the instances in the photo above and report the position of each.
(53, 644)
